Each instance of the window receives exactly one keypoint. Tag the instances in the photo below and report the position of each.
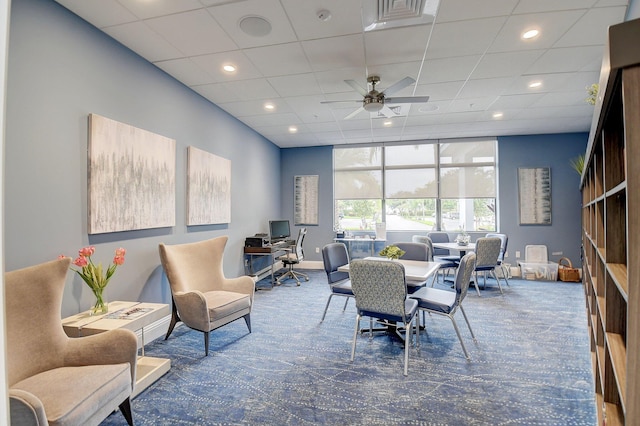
(449, 185)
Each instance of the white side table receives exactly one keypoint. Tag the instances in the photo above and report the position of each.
(132, 316)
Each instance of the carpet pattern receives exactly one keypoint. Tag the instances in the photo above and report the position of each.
(530, 366)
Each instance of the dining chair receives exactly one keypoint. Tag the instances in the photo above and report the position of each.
(335, 255)
(294, 257)
(504, 240)
(442, 237)
(414, 251)
(446, 302)
(487, 252)
(445, 265)
(380, 291)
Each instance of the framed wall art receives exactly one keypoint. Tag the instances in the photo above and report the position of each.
(131, 177)
(305, 200)
(534, 195)
(208, 188)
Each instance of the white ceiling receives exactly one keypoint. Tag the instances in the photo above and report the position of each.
(471, 62)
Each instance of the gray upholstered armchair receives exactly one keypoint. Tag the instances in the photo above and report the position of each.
(54, 379)
(202, 297)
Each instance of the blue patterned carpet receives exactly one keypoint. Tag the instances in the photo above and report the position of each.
(531, 365)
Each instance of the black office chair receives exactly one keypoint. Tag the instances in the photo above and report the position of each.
(334, 255)
(294, 257)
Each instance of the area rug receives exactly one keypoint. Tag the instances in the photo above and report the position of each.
(530, 366)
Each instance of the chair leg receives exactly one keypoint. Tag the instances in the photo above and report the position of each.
(492, 272)
(327, 307)
(175, 318)
(455, 326)
(477, 285)
(247, 319)
(407, 338)
(464, 314)
(206, 343)
(345, 304)
(125, 409)
(355, 335)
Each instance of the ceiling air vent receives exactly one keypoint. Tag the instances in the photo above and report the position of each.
(380, 14)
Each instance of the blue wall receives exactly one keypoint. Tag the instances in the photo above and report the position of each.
(554, 151)
(60, 69)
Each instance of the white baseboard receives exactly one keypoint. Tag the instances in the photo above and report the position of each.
(311, 264)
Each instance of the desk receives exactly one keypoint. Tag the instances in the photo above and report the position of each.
(273, 251)
(415, 270)
(361, 247)
(456, 247)
(132, 316)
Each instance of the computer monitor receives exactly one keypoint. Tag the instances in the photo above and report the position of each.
(279, 230)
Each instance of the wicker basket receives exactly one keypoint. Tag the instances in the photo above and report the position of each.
(568, 272)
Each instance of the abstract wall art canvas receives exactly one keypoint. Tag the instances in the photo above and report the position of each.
(534, 193)
(305, 200)
(131, 177)
(208, 188)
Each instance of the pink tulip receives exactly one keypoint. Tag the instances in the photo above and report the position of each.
(118, 260)
(120, 252)
(80, 261)
(87, 251)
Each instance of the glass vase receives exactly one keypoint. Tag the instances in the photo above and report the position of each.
(100, 306)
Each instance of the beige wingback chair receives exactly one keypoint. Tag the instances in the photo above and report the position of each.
(54, 379)
(202, 297)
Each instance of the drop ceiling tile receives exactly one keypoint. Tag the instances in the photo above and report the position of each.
(606, 3)
(295, 85)
(448, 69)
(345, 18)
(100, 13)
(193, 33)
(332, 81)
(213, 64)
(144, 41)
(463, 38)
(336, 52)
(396, 45)
(284, 120)
(440, 91)
(534, 6)
(461, 10)
(592, 27)
(471, 104)
(516, 101)
(566, 59)
(185, 70)
(485, 87)
(281, 59)
(217, 93)
(256, 107)
(253, 89)
(151, 9)
(505, 64)
(229, 16)
(574, 98)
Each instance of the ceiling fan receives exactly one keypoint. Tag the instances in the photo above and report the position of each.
(375, 101)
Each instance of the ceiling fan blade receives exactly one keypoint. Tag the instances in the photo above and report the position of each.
(355, 86)
(387, 112)
(338, 102)
(354, 113)
(407, 100)
(407, 81)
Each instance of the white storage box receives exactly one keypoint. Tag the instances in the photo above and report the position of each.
(539, 271)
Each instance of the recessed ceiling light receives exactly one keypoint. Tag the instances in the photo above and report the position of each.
(535, 84)
(387, 123)
(255, 26)
(529, 34)
(293, 129)
(497, 115)
(269, 106)
(229, 68)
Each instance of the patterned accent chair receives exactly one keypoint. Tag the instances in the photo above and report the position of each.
(504, 240)
(381, 292)
(446, 302)
(54, 379)
(487, 252)
(445, 265)
(202, 297)
(415, 251)
(334, 255)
